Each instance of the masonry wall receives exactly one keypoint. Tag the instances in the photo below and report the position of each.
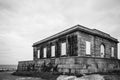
(80, 65)
(71, 44)
(25, 65)
(82, 38)
(87, 65)
(108, 44)
(96, 42)
(76, 46)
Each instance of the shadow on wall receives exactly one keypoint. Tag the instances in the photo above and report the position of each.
(44, 67)
(49, 67)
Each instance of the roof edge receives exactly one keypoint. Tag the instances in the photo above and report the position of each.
(80, 28)
(58, 34)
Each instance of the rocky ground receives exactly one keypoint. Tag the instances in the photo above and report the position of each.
(43, 75)
(90, 77)
(51, 76)
(56, 76)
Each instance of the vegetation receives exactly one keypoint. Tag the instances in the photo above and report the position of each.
(43, 75)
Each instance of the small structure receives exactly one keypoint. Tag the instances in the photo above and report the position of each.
(75, 50)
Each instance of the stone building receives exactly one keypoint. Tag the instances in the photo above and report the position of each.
(75, 50)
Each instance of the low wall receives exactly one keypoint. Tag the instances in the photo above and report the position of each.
(25, 65)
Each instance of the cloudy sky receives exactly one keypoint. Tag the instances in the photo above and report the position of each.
(23, 22)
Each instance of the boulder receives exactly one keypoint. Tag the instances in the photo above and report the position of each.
(91, 77)
(61, 77)
(64, 77)
(86, 77)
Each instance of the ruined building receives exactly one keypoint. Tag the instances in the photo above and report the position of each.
(75, 50)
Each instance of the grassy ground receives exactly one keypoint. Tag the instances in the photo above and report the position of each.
(43, 75)
(9, 76)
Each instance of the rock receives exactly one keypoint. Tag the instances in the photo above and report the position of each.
(64, 77)
(91, 77)
(86, 77)
(70, 78)
(61, 77)
(96, 77)
(82, 78)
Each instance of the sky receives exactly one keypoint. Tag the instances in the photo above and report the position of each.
(23, 22)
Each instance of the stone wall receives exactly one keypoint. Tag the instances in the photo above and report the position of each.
(95, 41)
(82, 37)
(108, 44)
(70, 39)
(76, 46)
(26, 65)
(81, 65)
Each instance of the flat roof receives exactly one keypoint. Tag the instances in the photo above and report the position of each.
(78, 28)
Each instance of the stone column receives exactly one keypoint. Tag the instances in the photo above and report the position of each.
(116, 50)
(41, 52)
(78, 44)
(48, 50)
(75, 46)
(67, 46)
(34, 53)
(57, 49)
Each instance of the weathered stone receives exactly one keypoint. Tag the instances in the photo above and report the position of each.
(90, 77)
(63, 77)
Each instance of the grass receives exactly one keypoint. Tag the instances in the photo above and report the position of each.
(9, 76)
(43, 75)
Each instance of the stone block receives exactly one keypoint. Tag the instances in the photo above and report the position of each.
(65, 70)
(60, 69)
(83, 71)
(72, 70)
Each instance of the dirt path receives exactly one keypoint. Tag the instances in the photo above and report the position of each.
(8, 76)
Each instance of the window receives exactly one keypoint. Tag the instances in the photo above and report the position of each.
(88, 51)
(102, 50)
(45, 53)
(52, 51)
(112, 52)
(63, 48)
(38, 52)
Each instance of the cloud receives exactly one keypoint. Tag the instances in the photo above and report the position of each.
(23, 22)
(14, 47)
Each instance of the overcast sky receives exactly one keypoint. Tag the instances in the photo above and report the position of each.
(23, 22)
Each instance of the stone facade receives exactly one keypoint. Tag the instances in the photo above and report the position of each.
(87, 51)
